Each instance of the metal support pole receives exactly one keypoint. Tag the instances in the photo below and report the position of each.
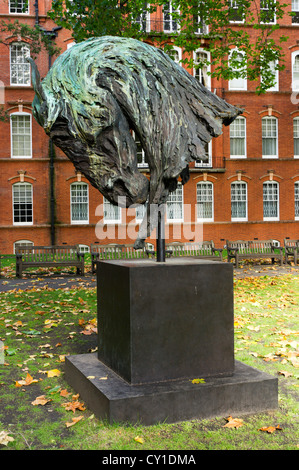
(161, 235)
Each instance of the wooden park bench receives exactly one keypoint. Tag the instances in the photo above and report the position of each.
(49, 256)
(243, 249)
(291, 250)
(116, 251)
(204, 250)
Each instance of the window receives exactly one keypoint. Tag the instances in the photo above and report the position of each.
(296, 136)
(271, 200)
(22, 204)
(141, 163)
(204, 193)
(144, 20)
(200, 27)
(238, 138)
(84, 249)
(176, 55)
(201, 72)
(21, 243)
(235, 15)
(208, 152)
(170, 21)
(295, 10)
(79, 203)
(20, 131)
(272, 66)
(297, 200)
(295, 71)
(268, 15)
(19, 6)
(112, 213)
(19, 67)
(140, 212)
(174, 206)
(269, 137)
(239, 200)
(237, 65)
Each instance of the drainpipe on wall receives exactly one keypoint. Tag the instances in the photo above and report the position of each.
(52, 34)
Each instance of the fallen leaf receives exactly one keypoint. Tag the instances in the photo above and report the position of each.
(53, 373)
(139, 439)
(285, 373)
(74, 421)
(270, 429)
(198, 381)
(73, 406)
(5, 438)
(41, 400)
(233, 422)
(28, 381)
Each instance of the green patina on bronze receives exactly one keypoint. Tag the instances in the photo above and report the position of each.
(99, 90)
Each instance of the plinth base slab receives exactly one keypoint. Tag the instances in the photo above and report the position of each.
(113, 399)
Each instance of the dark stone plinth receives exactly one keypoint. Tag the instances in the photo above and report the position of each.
(110, 397)
(165, 321)
(160, 326)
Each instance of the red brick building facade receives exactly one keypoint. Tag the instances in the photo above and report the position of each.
(249, 189)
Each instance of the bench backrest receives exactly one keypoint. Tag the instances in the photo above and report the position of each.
(251, 246)
(115, 251)
(204, 248)
(261, 246)
(48, 253)
(291, 243)
(242, 245)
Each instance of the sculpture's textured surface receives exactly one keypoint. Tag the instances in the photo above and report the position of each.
(99, 90)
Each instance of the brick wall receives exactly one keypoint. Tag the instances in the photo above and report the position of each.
(254, 170)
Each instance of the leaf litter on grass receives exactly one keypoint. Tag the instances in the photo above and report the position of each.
(266, 332)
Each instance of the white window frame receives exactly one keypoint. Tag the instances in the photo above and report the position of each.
(16, 12)
(72, 203)
(145, 17)
(140, 211)
(178, 57)
(209, 196)
(143, 163)
(295, 9)
(232, 130)
(23, 64)
(296, 135)
(234, 6)
(243, 185)
(208, 164)
(174, 198)
(237, 84)
(295, 82)
(22, 243)
(202, 27)
(296, 201)
(273, 119)
(272, 66)
(273, 183)
(12, 135)
(117, 211)
(171, 21)
(84, 248)
(13, 203)
(267, 8)
(198, 73)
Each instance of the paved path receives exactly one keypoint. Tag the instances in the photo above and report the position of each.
(43, 281)
(72, 281)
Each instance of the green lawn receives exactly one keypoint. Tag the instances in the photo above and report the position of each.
(38, 327)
